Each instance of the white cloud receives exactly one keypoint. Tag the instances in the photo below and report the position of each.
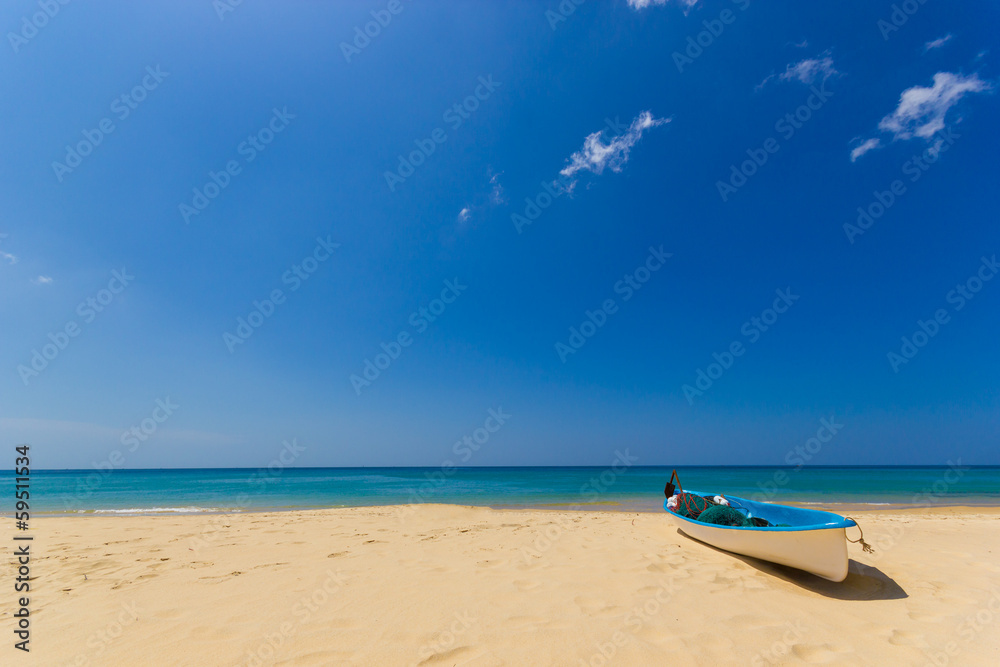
(6, 255)
(810, 70)
(801, 45)
(937, 43)
(596, 155)
(642, 4)
(42, 280)
(921, 111)
(496, 194)
(767, 79)
(864, 147)
(483, 201)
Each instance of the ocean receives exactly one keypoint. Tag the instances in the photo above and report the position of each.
(621, 487)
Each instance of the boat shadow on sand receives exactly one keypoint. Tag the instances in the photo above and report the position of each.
(863, 582)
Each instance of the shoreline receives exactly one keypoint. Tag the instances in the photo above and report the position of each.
(602, 506)
(436, 584)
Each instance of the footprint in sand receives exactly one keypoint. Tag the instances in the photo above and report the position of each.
(820, 653)
(257, 567)
(450, 657)
(343, 623)
(596, 607)
(922, 617)
(904, 638)
(326, 658)
(521, 622)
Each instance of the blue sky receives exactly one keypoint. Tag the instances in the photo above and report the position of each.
(468, 184)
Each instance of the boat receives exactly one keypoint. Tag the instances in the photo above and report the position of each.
(806, 539)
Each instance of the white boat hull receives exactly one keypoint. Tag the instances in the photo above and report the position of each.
(812, 540)
(821, 552)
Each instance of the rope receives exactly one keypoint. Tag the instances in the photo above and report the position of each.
(693, 512)
(864, 545)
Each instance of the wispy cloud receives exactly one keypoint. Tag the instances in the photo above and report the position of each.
(811, 70)
(6, 255)
(767, 79)
(483, 201)
(642, 4)
(921, 110)
(937, 43)
(808, 71)
(864, 147)
(496, 194)
(42, 280)
(596, 155)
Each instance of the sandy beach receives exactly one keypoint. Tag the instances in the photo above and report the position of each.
(449, 585)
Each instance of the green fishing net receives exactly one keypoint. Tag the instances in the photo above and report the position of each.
(723, 515)
(690, 505)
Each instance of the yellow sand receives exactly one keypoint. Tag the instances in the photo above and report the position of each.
(447, 585)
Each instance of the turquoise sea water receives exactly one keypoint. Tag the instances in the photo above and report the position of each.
(633, 488)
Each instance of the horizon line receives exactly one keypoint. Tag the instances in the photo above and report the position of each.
(502, 467)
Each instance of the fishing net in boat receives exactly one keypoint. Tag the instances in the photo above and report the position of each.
(721, 515)
(690, 505)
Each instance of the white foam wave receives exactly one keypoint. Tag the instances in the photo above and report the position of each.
(161, 510)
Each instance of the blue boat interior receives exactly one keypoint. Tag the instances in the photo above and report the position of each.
(796, 518)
